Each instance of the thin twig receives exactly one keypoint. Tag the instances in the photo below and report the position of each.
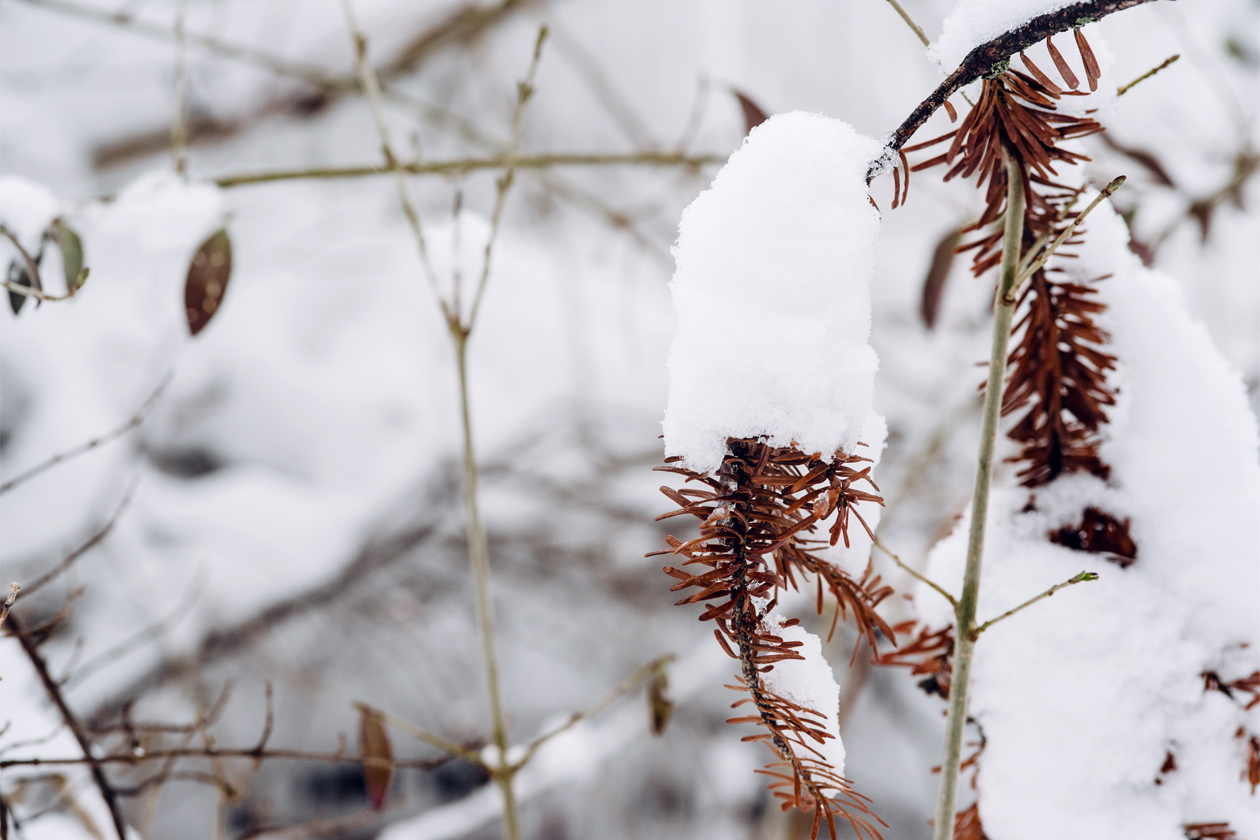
(460, 166)
(916, 574)
(983, 59)
(1045, 255)
(8, 602)
(179, 121)
(635, 677)
(1123, 89)
(208, 753)
(36, 289)
(965, 611)
(918, 30)
(432, 739)
(108, 796)
(372, 90)
(1081, 578)
(92, 541)
(135, 420)
(524, 92)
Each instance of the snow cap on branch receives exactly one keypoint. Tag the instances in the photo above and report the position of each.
(772, 295)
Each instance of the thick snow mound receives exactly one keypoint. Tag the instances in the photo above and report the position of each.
(772, 294)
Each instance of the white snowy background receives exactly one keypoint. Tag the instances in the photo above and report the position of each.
(293, 512)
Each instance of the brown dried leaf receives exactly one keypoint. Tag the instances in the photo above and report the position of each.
(659, 703)
(207, 281)
(753, 114)
(378, 757)
(937, 274)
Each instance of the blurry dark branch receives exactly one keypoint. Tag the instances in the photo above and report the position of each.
(604, 88)
(108, 795)
(329, 87)
(227, 641)
(463, 26)
(145, 635)
(354, 824)
(136, 419)
(92, 541)
(991, 57)
(8, 603)
(215, 752)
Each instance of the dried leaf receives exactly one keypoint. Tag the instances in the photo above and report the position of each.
(71, 255)
(378, 757)
(661, 707)
(18, 275)
(208, 277)
(753, 114)
(937, 274)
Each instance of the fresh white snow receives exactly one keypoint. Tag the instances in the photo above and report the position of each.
(772, 296)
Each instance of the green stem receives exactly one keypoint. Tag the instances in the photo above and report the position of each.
(965, 613)
(479, 558)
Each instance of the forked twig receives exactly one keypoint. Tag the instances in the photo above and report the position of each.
(1081, 578)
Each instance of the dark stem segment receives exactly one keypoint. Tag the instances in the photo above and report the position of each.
(108, 794)
(982, 61)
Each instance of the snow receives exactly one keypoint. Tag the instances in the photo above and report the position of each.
(1103, 680)
(26, 209)
(974, 22)
(810, 683)
(772, 297)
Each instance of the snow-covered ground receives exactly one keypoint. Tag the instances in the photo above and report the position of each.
(290, 507)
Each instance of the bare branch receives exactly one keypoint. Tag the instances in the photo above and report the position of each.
(1045, 255)
(93, 541)
(1123, 89)
(445, 745)
(1081, 578)
(108, 795)
(8, 602)
(916, 574)
(136, 419)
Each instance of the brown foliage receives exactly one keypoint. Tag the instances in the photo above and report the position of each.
(1101, 533)
(758, 516)
(929, 655)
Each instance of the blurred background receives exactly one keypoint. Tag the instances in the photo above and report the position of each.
(281, 504)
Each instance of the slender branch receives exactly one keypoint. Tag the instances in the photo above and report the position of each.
(214, 752)
(598, 706)
(1123, 89)
(136, 419)
(108, 796)
(524, 92)
(1045, 255)
(372, 90)
(92, 541)
(460, 166)
(918, 30)
(36, 289)
(916, 574)
(179, 122)
(8, 602)
(965, 612)
(983, 59)
(1081, 578)
(434, 740)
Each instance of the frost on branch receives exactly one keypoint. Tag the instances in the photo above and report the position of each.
(771, 379)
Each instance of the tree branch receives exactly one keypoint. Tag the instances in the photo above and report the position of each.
(108, 795)
(1081, 578)
(985, 58)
